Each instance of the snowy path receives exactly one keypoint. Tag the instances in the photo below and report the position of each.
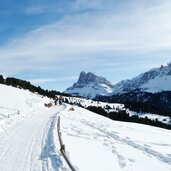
(29, 144)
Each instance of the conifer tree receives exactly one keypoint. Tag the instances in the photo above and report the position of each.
(1, 79)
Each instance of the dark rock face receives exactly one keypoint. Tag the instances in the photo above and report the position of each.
(86, 78)
(81, 79)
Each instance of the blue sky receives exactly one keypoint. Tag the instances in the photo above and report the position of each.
(49, 42)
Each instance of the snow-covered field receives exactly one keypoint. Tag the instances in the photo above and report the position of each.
(96, 143)
(29, 140)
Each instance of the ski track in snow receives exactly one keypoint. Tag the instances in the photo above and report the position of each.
(29, 145)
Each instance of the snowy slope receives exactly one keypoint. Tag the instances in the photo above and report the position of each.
(28, 132)
(15, 104)
(29, 140)
(90, 85)
(91, 90)
(154, 80)
(115, 107)
(95, 143)
(158, 84)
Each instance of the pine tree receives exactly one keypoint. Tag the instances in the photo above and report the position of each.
(1, 79)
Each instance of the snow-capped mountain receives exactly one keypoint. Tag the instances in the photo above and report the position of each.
(90, 85)
(154, 80)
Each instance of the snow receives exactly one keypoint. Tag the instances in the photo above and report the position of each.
(90, 90)
(154, 80)
(97, 143)
(28, 135)
(163, 119)
(115, 107)
(29, 140)
(158, 84)
(15, 104)
(90, 85)
(89, 102)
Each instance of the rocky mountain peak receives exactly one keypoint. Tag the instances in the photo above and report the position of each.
(86, 78)
(90, 85)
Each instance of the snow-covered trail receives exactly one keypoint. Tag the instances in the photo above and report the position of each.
(29, 145)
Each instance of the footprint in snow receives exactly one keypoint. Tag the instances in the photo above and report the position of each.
(121, 159)
(131, 160)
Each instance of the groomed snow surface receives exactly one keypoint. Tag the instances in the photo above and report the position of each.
(28, 132)
(29, 141)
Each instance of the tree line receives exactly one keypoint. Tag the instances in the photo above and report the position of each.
(122, 115)
(157, 103)
(26, 85)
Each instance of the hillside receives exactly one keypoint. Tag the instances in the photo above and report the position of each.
(16, 104)
(102, 144)
(25, 131)
(26, 85)
(29, 139)
(153, 81)
(118, 108)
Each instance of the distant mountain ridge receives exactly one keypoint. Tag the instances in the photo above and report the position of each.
(154, 80)
(86, 78)
(90, 85)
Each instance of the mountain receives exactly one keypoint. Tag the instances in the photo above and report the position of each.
(90, 85)
(149, 92)
(154, 80)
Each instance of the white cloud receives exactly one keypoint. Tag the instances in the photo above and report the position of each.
(39, 81)
(137, 30)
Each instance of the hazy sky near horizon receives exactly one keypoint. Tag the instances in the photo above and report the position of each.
(49, 42)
